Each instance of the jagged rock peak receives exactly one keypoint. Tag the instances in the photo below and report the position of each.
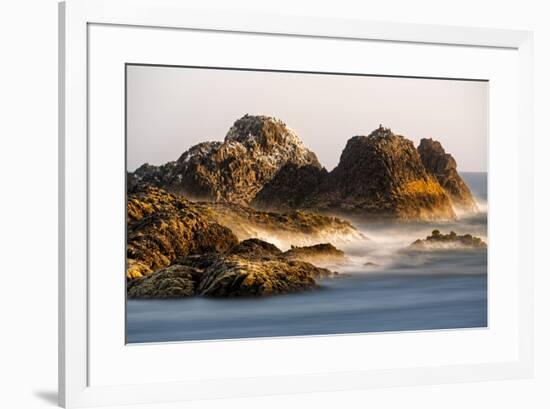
(269, 133)
(257, 127)
(382, 174)
(443, 167)
(378, 162)
(254, 149)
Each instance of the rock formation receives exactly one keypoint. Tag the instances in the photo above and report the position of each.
(379, 176)
(252, 268)
(254, 149)
(443, 167)
(293, 187)
(264, 164)
(237, 276)
(382, 175)
(446, 241)
(175, 281)
(164, 227)
(256, 248)
(324, 253)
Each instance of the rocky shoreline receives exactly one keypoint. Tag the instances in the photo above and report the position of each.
(217, 221)
(251, 268)
(177, 248)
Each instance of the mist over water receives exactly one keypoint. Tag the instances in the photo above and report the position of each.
(386, 288)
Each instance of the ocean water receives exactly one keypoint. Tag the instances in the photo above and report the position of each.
(396, 291)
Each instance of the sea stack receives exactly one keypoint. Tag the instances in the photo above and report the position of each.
(379, 176)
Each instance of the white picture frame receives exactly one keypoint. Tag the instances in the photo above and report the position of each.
(75, 19)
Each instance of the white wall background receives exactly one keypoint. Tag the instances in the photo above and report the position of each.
(28, 203)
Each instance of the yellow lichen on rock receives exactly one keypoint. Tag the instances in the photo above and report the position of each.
(422, 187)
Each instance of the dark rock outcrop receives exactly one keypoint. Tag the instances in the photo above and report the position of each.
(233, 276)
(166, 229)
(254, 149)
(319, 253)
(163, 226)
(256, 249)
(445, 241)
(293, 187)
(252, 268)
(379, 176)
(443, 167)
(382, 175)
(175, 281)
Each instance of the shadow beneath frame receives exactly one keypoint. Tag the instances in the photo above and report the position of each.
(47, 396)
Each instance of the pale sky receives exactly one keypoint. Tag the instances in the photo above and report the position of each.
(172, 108)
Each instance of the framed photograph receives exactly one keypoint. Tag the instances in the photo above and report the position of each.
(261, 204)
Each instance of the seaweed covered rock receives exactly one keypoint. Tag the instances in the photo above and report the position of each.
(162, 227)
(448, 241)
(234, 170)
(443, 167)
(175, 281)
